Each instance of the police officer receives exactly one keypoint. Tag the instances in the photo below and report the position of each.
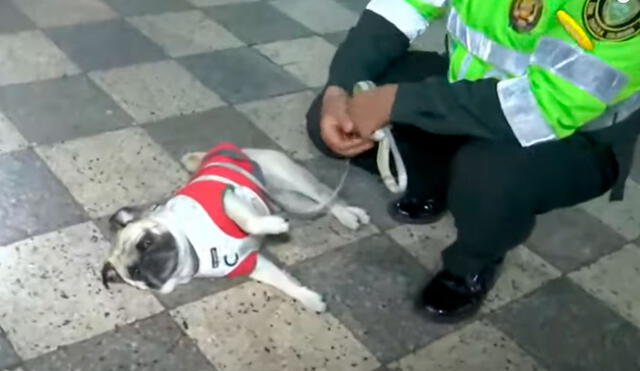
(533, 108)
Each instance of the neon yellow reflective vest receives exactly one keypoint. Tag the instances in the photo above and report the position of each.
(573, 65)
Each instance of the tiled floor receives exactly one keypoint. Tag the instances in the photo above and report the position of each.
(100, 98)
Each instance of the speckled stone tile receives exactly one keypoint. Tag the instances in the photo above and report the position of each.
(12, 19)
(155, 91)
(523, 272)
(376, 198)
(115, 169)
(479, 346)
(336, 38)
(426, 242)
(613, 279)
(371, 286)
(8, 356)
(10, 138)
(103, 45)
(307, 59)
(205, 3)
(202, 131)
(564, 328)
(257, 22)
(30, 56)
(261, 79)
(309, 239)
(571, 238)
(283, 120)
(153, 344)
(48, 118)
(354, 5)
(185, 33)
(623, 217)
(52, 13)
(141, 7)
(32, 199)
(321, 16)
(257, 328)
(76, 307)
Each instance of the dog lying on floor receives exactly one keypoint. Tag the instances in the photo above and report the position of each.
(215, 225)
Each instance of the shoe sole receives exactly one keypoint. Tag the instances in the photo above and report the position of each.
(399, 218)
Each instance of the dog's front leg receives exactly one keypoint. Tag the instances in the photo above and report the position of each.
(268, 273)
(245, 216)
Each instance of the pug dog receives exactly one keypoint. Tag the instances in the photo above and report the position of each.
(214, 226)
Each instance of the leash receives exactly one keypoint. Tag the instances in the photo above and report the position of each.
(386, 145)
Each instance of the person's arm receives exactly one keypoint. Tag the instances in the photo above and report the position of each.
(383, 33)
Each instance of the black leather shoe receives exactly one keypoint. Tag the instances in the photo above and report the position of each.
(450, 298)
(413, 210)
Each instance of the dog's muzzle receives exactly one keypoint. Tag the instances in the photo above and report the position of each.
(110, 275)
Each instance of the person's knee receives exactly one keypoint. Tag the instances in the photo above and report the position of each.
(485, 178)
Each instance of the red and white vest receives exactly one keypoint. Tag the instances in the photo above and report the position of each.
(223, 249)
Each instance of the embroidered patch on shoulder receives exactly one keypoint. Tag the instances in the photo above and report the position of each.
(612, 20)
(525, 14)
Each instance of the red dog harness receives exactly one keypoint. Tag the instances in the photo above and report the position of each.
(223, 249)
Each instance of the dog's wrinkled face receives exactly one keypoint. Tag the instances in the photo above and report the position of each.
(145, 254)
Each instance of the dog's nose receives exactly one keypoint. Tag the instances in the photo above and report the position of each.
(110, 275)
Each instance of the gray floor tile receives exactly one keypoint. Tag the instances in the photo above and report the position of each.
(141, 7)
(354, 5)
(220, 71)
(104, 45)
(202, 131)
(53, 13)
(257, 22)
(153, 344)
(8, 356)
(567, 329)
(12, 19)
(635, 171)
(30, 56)
(336, 38)
(198, 289)
(321, 16)
(10, 138)
(374, 200)
(571, 238)
(258, 328)
(371, 286)
(32, 200)
(48, 117)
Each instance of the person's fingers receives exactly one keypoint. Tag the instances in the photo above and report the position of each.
(360, 148)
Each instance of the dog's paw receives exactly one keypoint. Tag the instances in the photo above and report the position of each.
(350, 216)
(313, 301)
(268, 225)
(191, 161)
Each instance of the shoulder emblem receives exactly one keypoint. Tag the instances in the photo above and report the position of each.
(612, 20)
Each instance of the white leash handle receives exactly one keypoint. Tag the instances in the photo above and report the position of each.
(386, 144)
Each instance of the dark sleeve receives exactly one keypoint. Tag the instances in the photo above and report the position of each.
(368, 49)
(470, 108)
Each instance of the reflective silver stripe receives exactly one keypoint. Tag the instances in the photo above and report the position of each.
(579, 68)
(497, 73)
(464, 66)
(521, 109)
(614, 114)
(486, 49)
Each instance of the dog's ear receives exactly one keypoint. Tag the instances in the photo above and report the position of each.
(123, 217)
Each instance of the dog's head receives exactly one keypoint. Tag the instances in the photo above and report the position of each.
(145, 253)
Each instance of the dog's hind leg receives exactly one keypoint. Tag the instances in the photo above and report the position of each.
(270, 274)
(191, 161)
(249, 221)
(282, 173)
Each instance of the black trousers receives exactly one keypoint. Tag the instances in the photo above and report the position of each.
(494, 190)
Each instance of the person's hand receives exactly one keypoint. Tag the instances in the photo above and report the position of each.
(336, 127)
(371, 110)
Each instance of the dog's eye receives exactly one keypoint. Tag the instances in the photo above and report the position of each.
(144, 244)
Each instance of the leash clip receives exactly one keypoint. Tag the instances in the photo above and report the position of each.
(386, 145)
